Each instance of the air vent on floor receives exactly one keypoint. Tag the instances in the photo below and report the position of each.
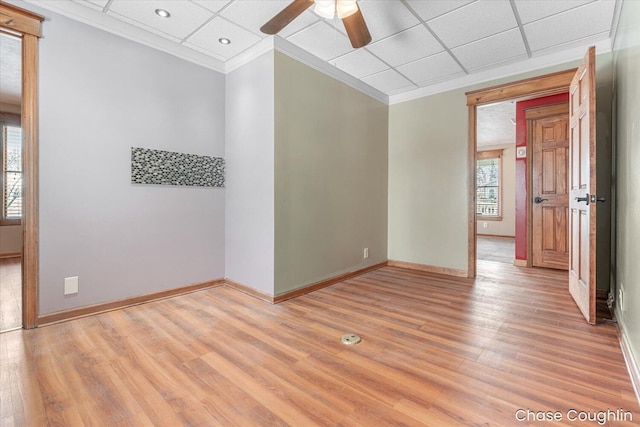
(350, 339)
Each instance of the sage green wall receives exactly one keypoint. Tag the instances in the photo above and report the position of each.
(428, 174)
(627, 90)
(330, 176)
(428, 181)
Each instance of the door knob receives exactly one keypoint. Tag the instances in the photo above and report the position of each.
(539, 200)
(583, 199)
(598, 199)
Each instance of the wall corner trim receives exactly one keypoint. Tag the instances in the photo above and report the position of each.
(245, 289)
(61, 316)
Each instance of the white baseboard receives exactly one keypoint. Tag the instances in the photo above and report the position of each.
(630, 361)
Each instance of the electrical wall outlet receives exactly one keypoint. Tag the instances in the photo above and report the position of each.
(71, 285)
(485, 225)
(366, 253)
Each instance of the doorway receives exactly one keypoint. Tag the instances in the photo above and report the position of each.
(535, 87)
(26, 26)
(495, 182)
(10, 182)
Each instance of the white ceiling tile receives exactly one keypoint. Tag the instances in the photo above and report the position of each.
(406, 46)
(253, 14)
(212, 5)
(575, 24)
(431, 68)
(360, 63)
(473, 21)
(494, 124)
(10, 70)
(433, 8)
(303, 21)
(322, 40)
(94, 4)
(385, 18)
(532, 10)
(388, 80)
(207, 38)
(493, 49)
(185, 18)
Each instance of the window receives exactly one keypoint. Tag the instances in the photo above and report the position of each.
(489, 184)
(11, 158)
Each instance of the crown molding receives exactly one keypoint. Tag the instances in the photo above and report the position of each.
(258, 49)
(96, 19)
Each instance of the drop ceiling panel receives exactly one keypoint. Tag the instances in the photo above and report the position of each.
(431, 68)
(474, 21)
(322, 40)
(212, 5)
(253, 14)
(360, 63)
(385, 18)
(10, 70)
(206, 39)
(494, 124)
(530, 11)
(434, 8)
(582, 22)
(408, 35)
(406, 46)
(303, 21)
(388, 80)
(186, 16)
(490, 50)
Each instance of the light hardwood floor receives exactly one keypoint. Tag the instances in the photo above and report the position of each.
(10, 294)
(435, 351)
(496, 248)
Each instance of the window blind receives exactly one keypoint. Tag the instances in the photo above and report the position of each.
(11, 172)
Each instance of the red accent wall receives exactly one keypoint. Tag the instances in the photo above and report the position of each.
(521, 167)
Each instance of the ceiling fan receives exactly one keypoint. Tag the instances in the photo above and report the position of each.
(347, 10)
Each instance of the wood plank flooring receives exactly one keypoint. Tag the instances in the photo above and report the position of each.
(10, 294)
(435, 352)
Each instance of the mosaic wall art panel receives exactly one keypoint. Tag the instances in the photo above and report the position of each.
(169, 168)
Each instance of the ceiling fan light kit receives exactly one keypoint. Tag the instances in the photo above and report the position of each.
(347, 10)
(330, 8)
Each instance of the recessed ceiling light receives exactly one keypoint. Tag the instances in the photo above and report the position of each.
(163, 13)
(224, 40)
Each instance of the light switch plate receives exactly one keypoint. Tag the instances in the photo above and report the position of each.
(521, 152)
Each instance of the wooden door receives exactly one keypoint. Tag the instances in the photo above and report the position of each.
(582, 191)
(549, 132)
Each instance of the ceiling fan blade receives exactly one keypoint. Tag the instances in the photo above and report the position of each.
(357, 29)
(285, 16)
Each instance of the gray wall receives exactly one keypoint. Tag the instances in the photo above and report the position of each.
(330, 177)
(100, 95)
(250, 176)
(627, 95)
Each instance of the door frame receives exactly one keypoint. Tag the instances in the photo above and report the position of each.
(535, 87)
(27, 26)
